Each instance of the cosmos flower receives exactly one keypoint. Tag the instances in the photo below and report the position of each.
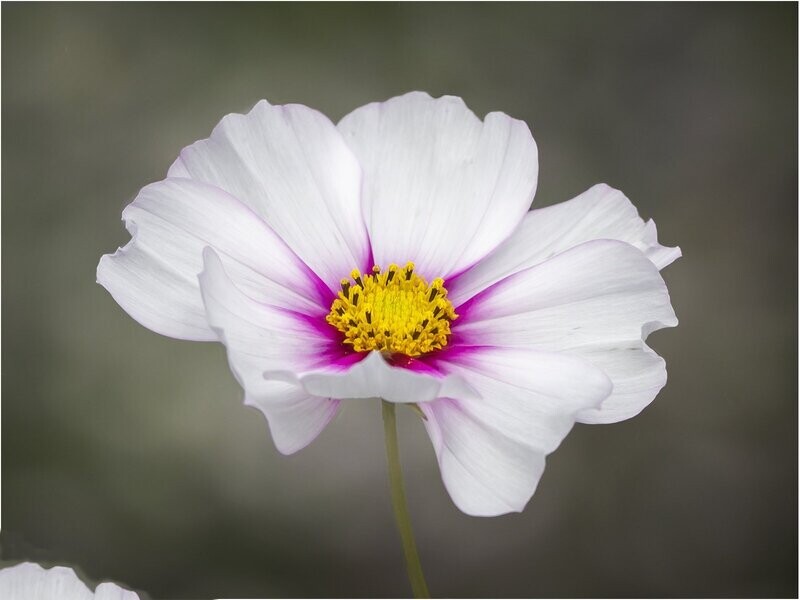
(29, 581)
(394, 256)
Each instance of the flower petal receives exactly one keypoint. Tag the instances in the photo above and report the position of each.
(530, 396)
(295, 417)
(29, 581)
(485, 473)
(154, 277)
(598, 301)
(638, 374)
(441, 188)
(491, 450)
(601, 212)
(597, 292)
(260, 337)
(270, 336)
(290, 165)
(110, 591)
(374, 378)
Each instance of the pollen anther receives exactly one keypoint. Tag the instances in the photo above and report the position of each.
(394, 315)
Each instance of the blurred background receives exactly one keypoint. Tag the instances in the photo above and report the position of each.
(131, 456)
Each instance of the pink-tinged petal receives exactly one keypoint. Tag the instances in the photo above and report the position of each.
(597, 301)
(491, 450)
(263, 336)
(290, 165)
(154, 277)
(601, 212)
(597, 292)
(29, 581)
(441, 188)
(295, 417)
(373, 377)
(260, 337)
(529, 396)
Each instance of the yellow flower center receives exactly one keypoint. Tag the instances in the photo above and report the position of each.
(394, 311)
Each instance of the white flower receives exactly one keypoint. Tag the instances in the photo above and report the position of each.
(505, 326)
(29, 581)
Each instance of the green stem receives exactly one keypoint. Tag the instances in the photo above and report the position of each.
(413, 566)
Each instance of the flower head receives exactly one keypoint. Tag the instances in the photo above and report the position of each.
(394, 256)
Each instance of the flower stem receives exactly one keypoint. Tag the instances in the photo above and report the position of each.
(413, 566)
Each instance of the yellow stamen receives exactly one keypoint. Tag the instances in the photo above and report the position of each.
(393, 311)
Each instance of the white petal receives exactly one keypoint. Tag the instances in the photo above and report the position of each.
(638, 374)
(598, 301)
(290, 165)
(259, 337)
(491, 450)
(110, 591)
(599, 292)
(441, 188)
(154, 277)
(660, 256)
(601, 212)
(530, 396)
(295, 417)
(374, 378)
(29, 581)
(485, 473)
(153, 294)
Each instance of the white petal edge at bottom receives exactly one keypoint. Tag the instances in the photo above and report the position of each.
(29, 581)
(486, 474)
(638, 374)
(295, 417)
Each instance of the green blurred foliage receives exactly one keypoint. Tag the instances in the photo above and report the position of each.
(131, 456)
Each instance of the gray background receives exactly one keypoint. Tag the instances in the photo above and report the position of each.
(130, 455)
